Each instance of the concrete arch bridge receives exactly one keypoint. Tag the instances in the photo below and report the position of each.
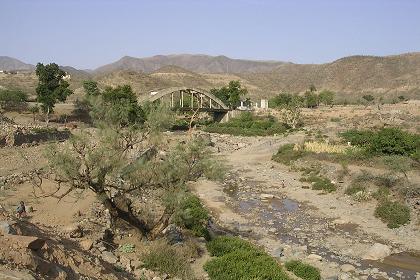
(191, 99)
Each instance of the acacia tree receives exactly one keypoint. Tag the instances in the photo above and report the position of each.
(120, 159)
(51, 87)
(230, 94)
(326, 97)
(291, 111)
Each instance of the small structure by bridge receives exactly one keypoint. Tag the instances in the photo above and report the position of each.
(191, 99)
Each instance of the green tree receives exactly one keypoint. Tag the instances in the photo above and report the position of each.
(231, 94)
(280, 100)
(12, 99)
(91, 87)
(51, 88)
(326, 97)
(368, 98)
(291, 112)
(311, 99)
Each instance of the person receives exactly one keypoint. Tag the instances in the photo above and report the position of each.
(21, 210)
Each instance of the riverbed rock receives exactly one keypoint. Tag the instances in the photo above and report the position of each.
(377, 251)
(109, 257)
(6, 228)
(265, 196)
(314, 257)
(11, 274)
(86, 244)
(347, 268)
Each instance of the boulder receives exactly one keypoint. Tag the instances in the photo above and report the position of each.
(265, 196)
(173, 234)
(377, 251)
(86, 244)
(347, 268)
(25, 242)
(6, 228)
(12, 275)
(314, 257)
(109, 257)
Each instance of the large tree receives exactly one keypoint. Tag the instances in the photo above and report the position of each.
(231, 94)
(120, 158)
(52, 87)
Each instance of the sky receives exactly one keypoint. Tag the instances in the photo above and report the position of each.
(89, 33)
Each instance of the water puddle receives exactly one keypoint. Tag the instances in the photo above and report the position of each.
(404, 260)
(284, 204)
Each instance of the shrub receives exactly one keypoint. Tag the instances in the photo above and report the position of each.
(321, 183)
(287, 153)
(166, 259)
(302, 270)
(13, 99)
(191, 214)
(239, 260)
(355, 188)
(394, 214)
(357, 137)
(382, 193)
(223, 245)
(394, 141)
(248, 125)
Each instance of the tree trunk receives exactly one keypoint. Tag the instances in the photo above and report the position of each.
(120, 208)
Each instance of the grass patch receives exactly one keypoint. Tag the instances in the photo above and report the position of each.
(393, 213)
(355, 188)
(248, 125)
(302, 270)
(191, 215)
(166, 259)
(320, 183)
(240, 260)
(287, 154)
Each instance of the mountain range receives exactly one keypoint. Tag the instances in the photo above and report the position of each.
(350, 77)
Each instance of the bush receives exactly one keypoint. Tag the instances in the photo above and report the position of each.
(240, 260)
(223, 245)
(321, 183)
(166, 259)
(355, 188)
(394, 214)
(302, 270)
(248, 125)
(286, 154)
(13, 99)
(191, 214)
(357, 137)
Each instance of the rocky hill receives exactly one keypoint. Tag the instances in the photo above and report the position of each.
(195, 63)
(8, 63)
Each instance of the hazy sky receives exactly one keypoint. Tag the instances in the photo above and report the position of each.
(87, 34)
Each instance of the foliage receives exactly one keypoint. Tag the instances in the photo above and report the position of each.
(322, 183)
(326, 97)
(311, 99)
(51, 88)
(230, 94)
(191, 214)
(127, 248)
(91, 87)
(393, 213)
(302, 270)
(368, 98)
(280, 100)
(12, 99)
(354, 188)
(239, 260)
(382, 193)
(167, 259)
(286, 154)
(223, 245)
(117, 106)
(386, 141)
(248, 125)
(291, 112)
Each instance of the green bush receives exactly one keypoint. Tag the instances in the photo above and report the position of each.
(320, 183)
(355, 188)
(240, 260)
(13, 99)
(393, 213)
(302, 270)
(166, 259)
(191, 214)
(382, 193)
(286, 154)
(387, 141)
(248, 125)
(223, 245)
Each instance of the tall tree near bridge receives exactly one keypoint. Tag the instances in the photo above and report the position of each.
(230, 94)
(51, 87)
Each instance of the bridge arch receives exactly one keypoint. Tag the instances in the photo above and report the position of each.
(190, 99)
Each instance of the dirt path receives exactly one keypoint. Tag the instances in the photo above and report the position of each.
(294, 222)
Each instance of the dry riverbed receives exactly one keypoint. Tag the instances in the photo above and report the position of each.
(291, 221)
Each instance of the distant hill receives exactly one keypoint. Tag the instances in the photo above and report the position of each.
(9, 63)
(350, 75)
(195, 63)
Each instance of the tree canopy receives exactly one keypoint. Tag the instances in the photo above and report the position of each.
(230, 94)
(51, 88)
